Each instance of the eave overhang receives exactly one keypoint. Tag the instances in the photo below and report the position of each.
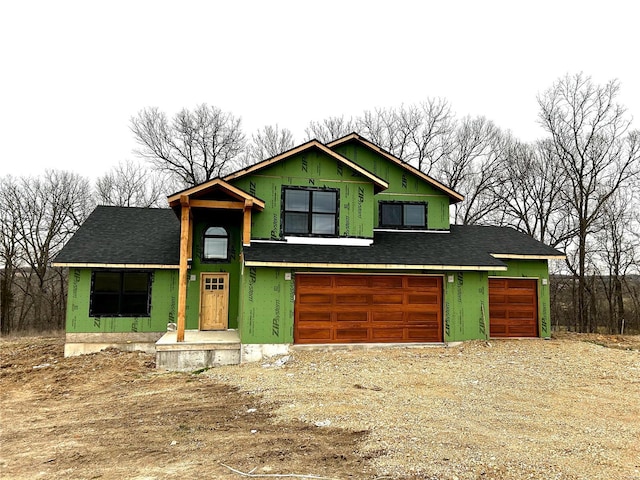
(375, 266)
(518, 256)
(138, 266)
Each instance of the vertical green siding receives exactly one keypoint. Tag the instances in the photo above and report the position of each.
(533, 269)
(312, 168)
(403, 185)
(466, 306)
(231, 222)
(268, 302)
(164, 294)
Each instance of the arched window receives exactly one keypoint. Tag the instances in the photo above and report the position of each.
(216, 243)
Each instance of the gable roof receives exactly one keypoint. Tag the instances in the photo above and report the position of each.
(124, 237)
(464, 248)
(378, 182)
(220, 184)
(454, 196)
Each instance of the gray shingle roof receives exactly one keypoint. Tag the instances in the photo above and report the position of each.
(125, 235)
(466, 246)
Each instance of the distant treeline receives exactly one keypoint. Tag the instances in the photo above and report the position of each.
(577, 189)
(610, 316)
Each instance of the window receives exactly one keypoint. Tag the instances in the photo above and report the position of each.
(403, 215)
(216, 243)
(120, 294)
(310, 211)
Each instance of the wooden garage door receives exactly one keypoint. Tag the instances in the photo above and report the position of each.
(513, 307)
(368, 308)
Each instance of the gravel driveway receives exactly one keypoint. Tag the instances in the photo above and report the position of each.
(502, 409)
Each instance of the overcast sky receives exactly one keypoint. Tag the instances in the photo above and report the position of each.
(74, 72)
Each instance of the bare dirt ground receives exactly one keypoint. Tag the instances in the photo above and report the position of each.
(568, 408)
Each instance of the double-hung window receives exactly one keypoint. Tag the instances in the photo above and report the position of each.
(310, 211)
(120, 293)
(403, 215)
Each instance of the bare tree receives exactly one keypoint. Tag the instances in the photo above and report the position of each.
(382, 127)
(130, 184)
(269, 142)
(194, 147)
(10, 252)
(471, 167)
(618, 250)
(432, 139)
(590, 135)
(49, 210)
(329, 129)
(529, 191)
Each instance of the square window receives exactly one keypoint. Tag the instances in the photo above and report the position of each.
(296, 200)
(323, 224)
(324, 202)
(296, 222)
(391, 214)
(310, 211)
(414, 215)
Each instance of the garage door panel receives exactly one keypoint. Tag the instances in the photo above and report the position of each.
(369, 308)
(387, 299)
(317, 316)
(386, 282)
(313, 281)
(520, 299)
(387, 334)
(390, 316)
(423, 299)
(420, 334)
(315, 298)
(513, 307)
(352, 316)
(315, 334)
(352, 334)
(423, 282)
(498, 329)
(350, 281)
(428, 318)
(351, 299)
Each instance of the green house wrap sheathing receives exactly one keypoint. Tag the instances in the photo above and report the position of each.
(201, 223)
(535, 269)
(164, 295)
(267, 305)
(466, 306)
(405, 186)
(312, 168)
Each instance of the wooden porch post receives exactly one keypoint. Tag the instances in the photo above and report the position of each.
(246, 226)
(185, 248)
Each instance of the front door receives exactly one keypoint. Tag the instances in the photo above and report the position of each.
(214, 301)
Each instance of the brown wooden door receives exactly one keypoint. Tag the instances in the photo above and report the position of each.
(214, 301)
(368, 309)
(513, 307)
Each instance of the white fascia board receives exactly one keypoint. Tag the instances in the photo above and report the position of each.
(397, 230)
(117, 265)
(518, 256)
(369, 266)
(343, 241)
